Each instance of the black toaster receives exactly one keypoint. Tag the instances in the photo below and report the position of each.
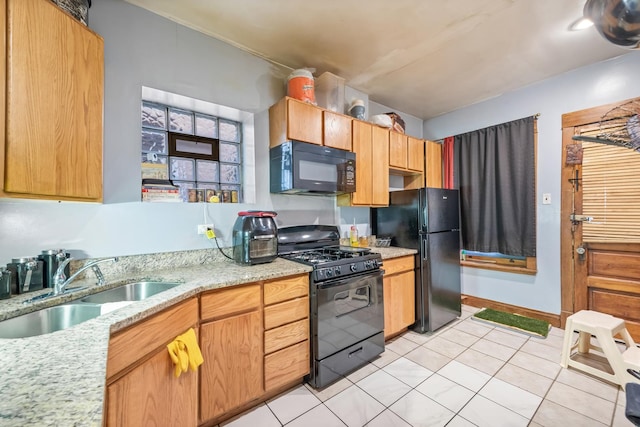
(255, 238)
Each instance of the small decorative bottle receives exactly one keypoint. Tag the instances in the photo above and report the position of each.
(353, 236)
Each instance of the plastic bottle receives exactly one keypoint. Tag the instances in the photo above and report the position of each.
(353, 236)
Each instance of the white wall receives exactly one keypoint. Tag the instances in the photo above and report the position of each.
(610, 81)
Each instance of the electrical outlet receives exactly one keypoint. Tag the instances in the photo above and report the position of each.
(202, 228)
(546, 199)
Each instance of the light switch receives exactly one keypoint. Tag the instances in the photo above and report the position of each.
(546, 199)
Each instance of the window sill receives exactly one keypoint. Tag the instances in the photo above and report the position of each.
(488, 265)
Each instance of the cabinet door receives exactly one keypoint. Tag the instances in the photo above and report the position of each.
(151, 395)
(232, 372)
(433, 173)
(397, 150)
(380, 166)
(54, 104)
(399, 302)
(362, 145)
(337, 131)
(304, 122)
(415, 156)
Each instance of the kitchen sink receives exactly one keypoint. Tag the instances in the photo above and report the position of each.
(130, 292)
(48, 320)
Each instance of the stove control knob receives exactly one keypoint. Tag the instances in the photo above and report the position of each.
(353, 267)
(328, 272)
(337, 270)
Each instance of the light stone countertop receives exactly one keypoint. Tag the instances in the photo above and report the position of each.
(58, 379)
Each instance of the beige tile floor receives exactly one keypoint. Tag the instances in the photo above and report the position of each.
(466, 374)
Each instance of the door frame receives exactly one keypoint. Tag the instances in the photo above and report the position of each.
(573, 293)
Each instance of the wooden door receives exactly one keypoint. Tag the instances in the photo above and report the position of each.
(232, 373)
(397, 150)
(600, 241)
(364, 163)
(380, 166)
(337, 130)
(415, 154)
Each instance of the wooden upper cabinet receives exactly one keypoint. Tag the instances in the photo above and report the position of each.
(380, 166)
(337, 130)
(397, 150)
(415, 153)
(290, 119)
(433, 174)
(52, 144)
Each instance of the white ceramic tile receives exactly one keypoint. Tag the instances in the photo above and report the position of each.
(494, 349)
(457, 336)
(445, 346)
(504, 338)
(535, 364)
(362, 372)
(400, 345)
(385, 358)
(385, 388)
(464, 375)
(445, 392)
(417, 338)
(458, 421)
(551, 414)
(481, 361)
(331, 390)
(293, 403)
(554, 341)
(428, 358)
(589, 384)
(408, 372)
(526, 380)
(512, 397)
(418, 410)
(320, 416)
(485, 413)
(556, 331)
(620, 419)
(388, 419)
(540, 350)
(582, 402)
(258, 416)
(473, 327)
(354, 407)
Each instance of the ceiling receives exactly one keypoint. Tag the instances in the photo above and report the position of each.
(422, 57)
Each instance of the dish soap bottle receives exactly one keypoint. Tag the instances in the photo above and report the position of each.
(353, 236)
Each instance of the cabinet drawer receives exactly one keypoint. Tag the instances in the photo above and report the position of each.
(286, 312)
(130, 345)
(284, 289)
(228, 301)
(395, 265)
(286, 365)
(284, 336)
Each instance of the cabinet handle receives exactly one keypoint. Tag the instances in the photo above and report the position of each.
(356, 351)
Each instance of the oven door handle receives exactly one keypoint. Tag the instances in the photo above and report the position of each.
(340, 281)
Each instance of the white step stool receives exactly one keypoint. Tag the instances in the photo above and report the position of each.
(604, 327)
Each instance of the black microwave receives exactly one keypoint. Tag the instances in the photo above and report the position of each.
(302, 168)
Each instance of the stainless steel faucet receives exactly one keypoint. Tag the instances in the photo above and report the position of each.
(60, 281)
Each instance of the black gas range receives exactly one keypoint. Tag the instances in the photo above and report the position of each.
(346, 300)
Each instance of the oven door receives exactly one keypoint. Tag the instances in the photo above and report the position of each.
(346, 311)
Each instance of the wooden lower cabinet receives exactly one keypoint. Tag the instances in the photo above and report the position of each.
(232, 373)
(151, 395)
(399, 295)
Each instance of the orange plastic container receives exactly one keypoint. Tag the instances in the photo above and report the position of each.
(300, 86)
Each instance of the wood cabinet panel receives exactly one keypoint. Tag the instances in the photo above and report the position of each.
(362, 146)
(53, 139)
(304, 122)
(286, 335)
(285, 312)
(227, 301)
(380, 166)
(415, 154)
(151, 395)
(283, 289)
(396, 265)
(399, 302)
(286, 365)
(337, 130)
(433, 166)
(232, 372)
(397, 150)
(129, 346)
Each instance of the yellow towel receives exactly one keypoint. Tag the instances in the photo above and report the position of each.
(185, 352)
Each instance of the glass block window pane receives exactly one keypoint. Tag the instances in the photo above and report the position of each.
(229, 174)
(154, 116)
(183, 169)
(180, 121)
(229, 131)
(206, 126)
(229, 153)
(154, 141)
(155, 166)
(207, 171)
(184, 189)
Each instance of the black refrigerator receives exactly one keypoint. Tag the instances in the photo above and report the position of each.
(427, 220)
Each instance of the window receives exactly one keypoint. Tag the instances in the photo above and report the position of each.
(199, 153)
(494, 169)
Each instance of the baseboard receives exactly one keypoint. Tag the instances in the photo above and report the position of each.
(553, 319)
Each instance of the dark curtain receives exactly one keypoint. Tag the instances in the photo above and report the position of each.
(495, 172)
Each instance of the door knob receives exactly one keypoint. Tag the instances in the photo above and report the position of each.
(581, 251)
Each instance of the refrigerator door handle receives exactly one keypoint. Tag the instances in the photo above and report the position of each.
(424, 248)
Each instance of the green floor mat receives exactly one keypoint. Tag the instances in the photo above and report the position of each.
(514, 322)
